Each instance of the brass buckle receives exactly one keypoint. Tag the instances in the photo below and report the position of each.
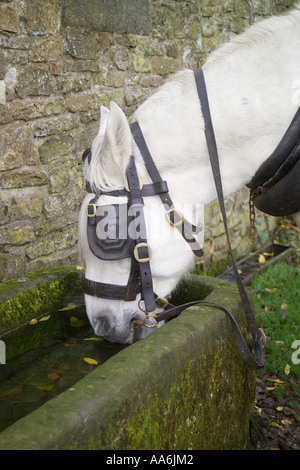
(94, 210)
(136, 252)
(162, 302)
(179, 214)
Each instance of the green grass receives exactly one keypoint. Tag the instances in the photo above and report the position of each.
(276, 295)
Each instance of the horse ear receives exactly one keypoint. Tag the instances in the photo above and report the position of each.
(117, 138)
(104, 113)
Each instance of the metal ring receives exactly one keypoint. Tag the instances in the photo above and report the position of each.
(146, 318)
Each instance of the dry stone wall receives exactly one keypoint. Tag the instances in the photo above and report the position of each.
(59, 61)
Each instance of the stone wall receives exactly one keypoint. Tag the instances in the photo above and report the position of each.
(59, 61)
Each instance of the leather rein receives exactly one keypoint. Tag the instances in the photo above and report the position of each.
(140, 278)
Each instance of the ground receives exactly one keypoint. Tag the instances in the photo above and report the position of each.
(274, 425)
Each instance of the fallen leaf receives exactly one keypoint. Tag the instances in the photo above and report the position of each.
(261, 259)
(287, 369)
(89, 360)
(13, 391)
(33, 321)
(287, 421)
(93, 338)
(53, 375)
(283, 305)
(279, 408)
(273, 423)
(79, 181)
(79, 268)
(68, 307)
(76, 322)
(45, 387)
(45, 318)
(277, 381)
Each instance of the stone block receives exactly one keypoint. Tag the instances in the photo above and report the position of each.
(43, 16)
(109, 15)
(9, 20)
(41, 248)
(48, 48)
(82, 45)
(54, 148)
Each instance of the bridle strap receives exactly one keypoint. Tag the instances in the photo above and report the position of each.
(214, 160)
(186, 228)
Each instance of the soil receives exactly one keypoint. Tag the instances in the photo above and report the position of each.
(274, 424)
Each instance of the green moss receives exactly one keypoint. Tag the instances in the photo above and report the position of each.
(35, 294)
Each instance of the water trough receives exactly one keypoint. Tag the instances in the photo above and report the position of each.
(183, 387)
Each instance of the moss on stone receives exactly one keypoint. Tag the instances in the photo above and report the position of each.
(38, 292)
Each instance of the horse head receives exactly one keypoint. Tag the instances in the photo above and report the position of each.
(107, 239)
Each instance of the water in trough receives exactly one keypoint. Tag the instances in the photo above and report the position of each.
(46, 358)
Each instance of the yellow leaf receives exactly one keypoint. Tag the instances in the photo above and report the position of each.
(93, 338)
(45, 387)
(287, 369)
(287, 421)
(45, 318)
(89, 360)
(240, 271)
(261, 259)
(277, 381)
(79, 268)
(273, 423)
(76, 322)
(279, 408)
(68, 307)
(79, 181)
(33, 321)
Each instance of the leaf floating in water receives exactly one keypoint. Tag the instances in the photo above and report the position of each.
(89, 360)
(45, 318)
(93, 338)
(53, 375)
(68, 307)
(45, 387)
(12, 392)
(33, 321)
(76, 322)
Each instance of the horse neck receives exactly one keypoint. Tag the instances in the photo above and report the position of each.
(248, 124)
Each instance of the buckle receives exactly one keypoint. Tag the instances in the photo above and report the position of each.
(161, 302)
(136, 252)
(179, 214)
(88, 213)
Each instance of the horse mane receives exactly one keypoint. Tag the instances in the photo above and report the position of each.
(265, 35)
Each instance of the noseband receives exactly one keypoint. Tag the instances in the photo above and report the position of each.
(138, 249)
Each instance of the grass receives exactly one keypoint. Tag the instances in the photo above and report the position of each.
(276, 295)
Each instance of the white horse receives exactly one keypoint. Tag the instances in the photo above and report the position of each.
(253, 86)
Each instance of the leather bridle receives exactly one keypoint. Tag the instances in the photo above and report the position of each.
(140, 277)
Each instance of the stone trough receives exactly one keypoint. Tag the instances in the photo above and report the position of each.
(184, 387)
